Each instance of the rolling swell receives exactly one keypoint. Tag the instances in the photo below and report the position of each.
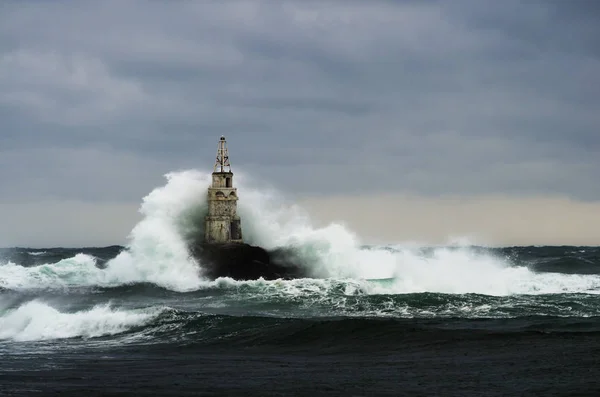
(35, 256)
(333, 324)
(564, 259)
(334, 335)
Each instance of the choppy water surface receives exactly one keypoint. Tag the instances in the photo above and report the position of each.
(390, 320)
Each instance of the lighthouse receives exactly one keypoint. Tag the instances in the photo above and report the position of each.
(221, 250)
(222, 224)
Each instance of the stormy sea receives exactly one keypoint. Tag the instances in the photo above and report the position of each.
(396, 319)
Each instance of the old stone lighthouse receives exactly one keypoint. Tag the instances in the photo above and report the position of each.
(222, 222)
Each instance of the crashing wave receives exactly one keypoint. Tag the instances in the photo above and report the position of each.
(158, 253)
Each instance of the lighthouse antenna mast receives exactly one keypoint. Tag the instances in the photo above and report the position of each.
(222, 157)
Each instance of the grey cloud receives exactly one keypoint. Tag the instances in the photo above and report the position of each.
(92, 174)
(432, 97)
(313, 104)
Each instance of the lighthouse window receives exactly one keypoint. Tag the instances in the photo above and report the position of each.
(227, 182)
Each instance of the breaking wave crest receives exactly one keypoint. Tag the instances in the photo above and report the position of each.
(172, 217)
(36, 320)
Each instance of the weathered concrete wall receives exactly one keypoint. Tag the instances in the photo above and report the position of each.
(222, 179)
(217, 230)
(222, 223)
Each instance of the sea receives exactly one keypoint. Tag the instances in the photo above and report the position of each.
(401, 319)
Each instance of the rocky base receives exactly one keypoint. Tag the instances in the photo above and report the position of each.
(246, 262)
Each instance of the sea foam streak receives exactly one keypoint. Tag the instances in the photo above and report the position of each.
(173, 216)
(36, 320)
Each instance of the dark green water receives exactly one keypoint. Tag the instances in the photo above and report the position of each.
(451, 321)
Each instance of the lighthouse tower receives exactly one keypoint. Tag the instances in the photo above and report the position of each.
(222, 222)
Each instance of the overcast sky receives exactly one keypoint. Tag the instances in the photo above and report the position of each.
(427, 99)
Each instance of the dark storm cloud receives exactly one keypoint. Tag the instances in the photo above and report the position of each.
(434, 98)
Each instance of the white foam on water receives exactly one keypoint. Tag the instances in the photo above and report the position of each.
(157, 250)
(173, 215)
(36, 320)
(463, 270)
(79, 270)
(336, 252)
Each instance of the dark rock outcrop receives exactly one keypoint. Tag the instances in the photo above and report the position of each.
(246, 262)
